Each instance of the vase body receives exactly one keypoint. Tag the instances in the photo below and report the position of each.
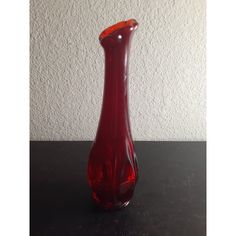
(112, 166)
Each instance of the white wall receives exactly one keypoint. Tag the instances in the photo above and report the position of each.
(167, 68)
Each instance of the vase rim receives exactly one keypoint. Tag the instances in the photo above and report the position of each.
(132, 23)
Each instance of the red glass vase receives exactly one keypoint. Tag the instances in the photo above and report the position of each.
(112, 166)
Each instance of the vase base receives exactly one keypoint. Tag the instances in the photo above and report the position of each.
(124, 205)
(114, 207)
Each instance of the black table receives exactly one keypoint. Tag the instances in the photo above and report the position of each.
(169, 200)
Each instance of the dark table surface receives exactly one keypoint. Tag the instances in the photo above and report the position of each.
(169, 200)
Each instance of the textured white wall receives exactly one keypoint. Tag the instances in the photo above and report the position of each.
(167, 68)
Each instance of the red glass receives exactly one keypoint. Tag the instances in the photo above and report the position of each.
(112, 166)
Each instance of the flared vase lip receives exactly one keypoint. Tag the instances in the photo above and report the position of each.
(131, 23)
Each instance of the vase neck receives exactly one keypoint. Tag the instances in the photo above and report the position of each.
(114, 121)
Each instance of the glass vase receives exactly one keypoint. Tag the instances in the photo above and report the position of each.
(112, 166)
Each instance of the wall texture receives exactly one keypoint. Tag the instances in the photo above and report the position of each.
(166, 73)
